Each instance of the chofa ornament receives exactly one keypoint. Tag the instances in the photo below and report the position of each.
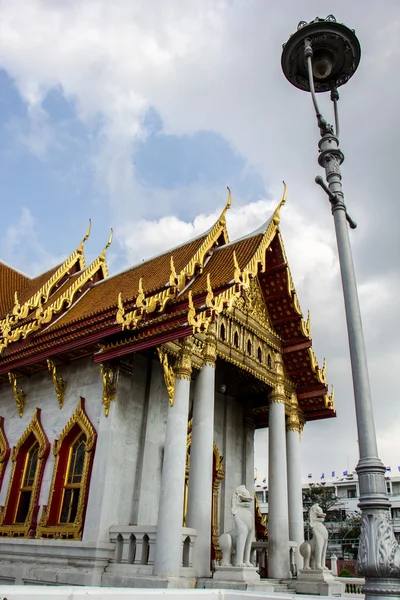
(236, 544)
(314, 551)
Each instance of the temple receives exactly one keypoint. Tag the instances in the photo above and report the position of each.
(129, 405)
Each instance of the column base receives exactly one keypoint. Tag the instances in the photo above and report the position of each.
(236, 578)
(321, 583)
(382, 587)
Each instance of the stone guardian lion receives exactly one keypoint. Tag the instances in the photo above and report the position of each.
(314, 551)
(238, 541)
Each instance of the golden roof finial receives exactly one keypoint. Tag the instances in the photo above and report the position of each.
(173, 278)
(140, 297)
(222, 218)
(276, 216)
(238, 272)
(86, 237)
(210, 293)
(102, 257)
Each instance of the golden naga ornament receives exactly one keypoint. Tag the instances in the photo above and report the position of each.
(169, 374)
(58, 382)
(19, 394)
(110, 375)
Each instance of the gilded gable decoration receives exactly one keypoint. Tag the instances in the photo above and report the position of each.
(57, 520)
(18, 517)
(45, 307)
(58, 382)
(4, 451)
(20, 312)
(19, 394)
(199, 321)
(110, 374)
(197, 261)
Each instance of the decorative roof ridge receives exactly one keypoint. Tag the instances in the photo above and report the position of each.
(261, 230)
(259, 257)
(206, 234)
(3, 262)
(144, 262)
(20, 312)
(211, 237)
(45, 315)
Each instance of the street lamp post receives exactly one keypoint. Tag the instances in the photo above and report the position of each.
(319, 57)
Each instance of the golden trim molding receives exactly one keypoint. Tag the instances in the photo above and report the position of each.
(219, 476)
(26, 529)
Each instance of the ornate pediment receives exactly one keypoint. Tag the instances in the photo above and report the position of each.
(252, 304)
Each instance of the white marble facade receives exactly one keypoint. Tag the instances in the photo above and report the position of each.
(126, 475)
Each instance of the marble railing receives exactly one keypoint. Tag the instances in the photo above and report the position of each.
(135, 545)
(353, 585)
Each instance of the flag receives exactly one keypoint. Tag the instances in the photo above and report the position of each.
(345, 473)
(389, 469)
(333, 473)
(323, 476)
(398, 467)
(309, 475)
(265, 480)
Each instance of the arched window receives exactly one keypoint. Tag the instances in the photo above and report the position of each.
(73, 480)
(4, 451)
(259, 354)
(63, 516)
(269, 361)
(236, 340)
(248, 347)
(222, 333)
(19, 515)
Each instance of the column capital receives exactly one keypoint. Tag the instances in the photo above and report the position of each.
(277, 395)
(294, 421)
(210, 346)
(183, 367)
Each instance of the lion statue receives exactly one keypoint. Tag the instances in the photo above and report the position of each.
(238, 541)
(314, 551)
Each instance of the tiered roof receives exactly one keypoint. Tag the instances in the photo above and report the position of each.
(74, 310)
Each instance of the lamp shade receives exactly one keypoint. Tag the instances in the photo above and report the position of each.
(336, 54)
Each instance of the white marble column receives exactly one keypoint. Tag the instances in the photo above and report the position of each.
(278, 526)
(201, 457)
(294, 427)
(168, 552)
(248, 454)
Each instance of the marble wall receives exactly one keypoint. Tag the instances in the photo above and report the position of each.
(126, 474)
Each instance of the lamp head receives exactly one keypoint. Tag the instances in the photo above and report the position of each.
(336, 54)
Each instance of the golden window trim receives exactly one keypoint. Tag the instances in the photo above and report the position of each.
(70, 530)
(25, 529)
(73, 485)
(4, 450)
(219, 476)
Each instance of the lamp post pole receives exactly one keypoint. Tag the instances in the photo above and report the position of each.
(319, 57)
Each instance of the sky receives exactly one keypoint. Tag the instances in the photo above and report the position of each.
(139, 114)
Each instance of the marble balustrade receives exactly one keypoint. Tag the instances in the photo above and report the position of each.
(135, 545)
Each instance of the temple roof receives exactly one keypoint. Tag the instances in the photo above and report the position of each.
(73, 310)
(11, 281)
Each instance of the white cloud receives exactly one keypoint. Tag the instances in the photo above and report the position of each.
(22, 249)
